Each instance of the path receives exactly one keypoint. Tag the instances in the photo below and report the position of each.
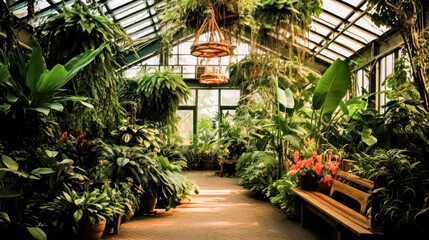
(222, 210)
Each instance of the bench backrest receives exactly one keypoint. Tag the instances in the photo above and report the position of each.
(355, 194)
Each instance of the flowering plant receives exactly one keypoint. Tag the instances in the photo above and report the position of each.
(318, 165)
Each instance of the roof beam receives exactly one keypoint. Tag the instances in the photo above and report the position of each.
(343, 30)
(346, 20)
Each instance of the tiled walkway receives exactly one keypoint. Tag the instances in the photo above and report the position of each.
(222, 210)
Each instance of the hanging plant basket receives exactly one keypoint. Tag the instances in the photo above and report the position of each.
(210, 49)
(213, 78)
(215, 45)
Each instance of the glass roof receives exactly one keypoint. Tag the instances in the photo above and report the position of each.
(327, 38)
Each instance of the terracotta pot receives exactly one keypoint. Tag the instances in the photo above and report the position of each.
(92, 231)
(308, 182)
(112, 227)
(127, 217)
(147, 204)
(324, 187)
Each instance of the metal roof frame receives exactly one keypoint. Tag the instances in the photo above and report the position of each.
(345, 27)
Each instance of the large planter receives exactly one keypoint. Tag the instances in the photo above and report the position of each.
(147, 204)
(92, 231)
(112, 227)
(127, 217)
(309, 182)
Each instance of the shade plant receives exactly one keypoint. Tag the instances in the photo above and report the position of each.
(76, 30)
(258, 170)
(33, 92)
(157, 96)
(401, 183)
(71, 208)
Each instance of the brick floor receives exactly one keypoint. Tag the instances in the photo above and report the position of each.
(222, 210)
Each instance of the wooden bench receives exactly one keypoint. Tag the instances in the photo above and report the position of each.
(343, 218)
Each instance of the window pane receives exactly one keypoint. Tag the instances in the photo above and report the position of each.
(208, 104)
(185, 127)
(230, 97)
(191, 99)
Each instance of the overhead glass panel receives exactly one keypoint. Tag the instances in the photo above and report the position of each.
(336, 8)
(350, 42)
(320, 29)
(116, 3)
(331, 54)
(339, 49)
(329, 19)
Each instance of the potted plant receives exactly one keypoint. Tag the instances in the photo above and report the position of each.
(132, 197)
(307, 170)
(85, 213)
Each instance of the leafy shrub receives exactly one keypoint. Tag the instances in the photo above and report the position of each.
(401, 183)
(258, 170)
(281, 195)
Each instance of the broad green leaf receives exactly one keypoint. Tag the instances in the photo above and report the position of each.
(127, 137)
(19, 173)
(10, 191)
(51, 154)
(289, 99)
(367, 137)
(122, 161)
(43, 110)
(80, 61)
(332, 87)
(344, 108)
(88, 105)
(37, 233)
(36, 67)
(77, 215)
(4, 74)
(39, 171)
(4, 216)
(55, 106)
(9, 162)
(11, 98)
(5, 107)
(68, 198)
(51, 81)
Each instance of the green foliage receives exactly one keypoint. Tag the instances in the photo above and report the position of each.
(364, 166)
(75, 30)
(258, 170)
(32, 89)
(137, 135)
(158, 96)
(332, 87)
(401, 184)
(82, 151)
(122, 163)
(394, 13)
(70, 208)
(282, 196)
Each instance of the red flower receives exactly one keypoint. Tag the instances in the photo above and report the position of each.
(318, 168)
(296, 156)
(327, 178)
(314, 154)
(128, 119)
(310, 162)
(292, 173)
(64, 137)
(319, 159)
(191, 142)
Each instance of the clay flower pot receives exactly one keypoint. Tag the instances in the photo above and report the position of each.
(92, 231)
(324, 187)
(127, 217)
(147, 204)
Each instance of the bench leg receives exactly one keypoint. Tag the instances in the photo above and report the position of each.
(338, 235)
(304, 215)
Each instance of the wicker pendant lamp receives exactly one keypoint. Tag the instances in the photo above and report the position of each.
(213, 47)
